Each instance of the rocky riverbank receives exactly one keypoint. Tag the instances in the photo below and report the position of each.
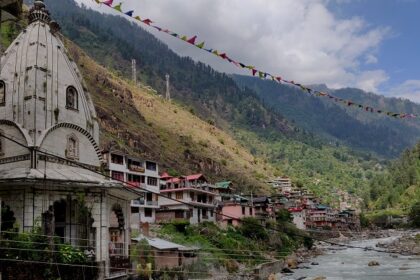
(304, 259)
(407, 244)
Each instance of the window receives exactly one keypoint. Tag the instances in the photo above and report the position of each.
(179, 195)
(135, 165)
(117, 175)
(179, 214)
(192, 196)
(211, 213)
(72, 148)
(148, 212)
(243, 210)
(149, 196)
(134, 210)
(152, 181)
(117, 159)
(134, 178)
(72, 98)
(151, 166)
(250, 211)
(2, 93)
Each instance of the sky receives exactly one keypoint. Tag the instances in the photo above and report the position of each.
(368, 44)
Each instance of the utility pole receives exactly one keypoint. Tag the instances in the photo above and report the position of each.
(134, 70)
(168, 92)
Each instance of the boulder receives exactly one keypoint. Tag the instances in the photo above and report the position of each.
(286, 270)
(292, 263)
(320, 278)
(373, 263)
(314, 263)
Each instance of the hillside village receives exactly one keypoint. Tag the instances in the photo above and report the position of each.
(192, 198)
(198, 200)
(59, 182)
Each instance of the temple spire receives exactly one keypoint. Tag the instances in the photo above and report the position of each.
(39, 12)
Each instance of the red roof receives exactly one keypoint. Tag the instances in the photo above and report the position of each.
(295, 209)
(195, 177)
(173, 180)
(165, 175)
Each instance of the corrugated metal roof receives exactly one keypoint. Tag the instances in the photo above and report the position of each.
(223, 185)
(162, 244)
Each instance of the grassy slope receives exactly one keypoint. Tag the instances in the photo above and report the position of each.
(165, 131)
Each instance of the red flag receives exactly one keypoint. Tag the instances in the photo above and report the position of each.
(147, 21)
(254, 72)
(278, 78)
(223, 55)
(108, 2)
(192, 40)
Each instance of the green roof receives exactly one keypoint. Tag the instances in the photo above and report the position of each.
(223, 185)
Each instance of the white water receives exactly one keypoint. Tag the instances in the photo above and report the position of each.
(353, 264)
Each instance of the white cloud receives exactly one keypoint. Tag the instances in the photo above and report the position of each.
(299, 40)
(370, 80)
(371, 59)
(409, 89)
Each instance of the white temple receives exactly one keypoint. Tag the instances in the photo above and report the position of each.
(52, 181)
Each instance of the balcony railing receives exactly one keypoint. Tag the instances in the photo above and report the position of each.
(204, 187)
(152, 203)
(142, 202)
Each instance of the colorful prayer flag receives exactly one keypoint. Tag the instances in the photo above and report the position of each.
(108, 2)
(118, 7)
(192, 40)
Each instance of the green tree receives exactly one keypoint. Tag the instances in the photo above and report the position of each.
(251, 228)
(415, 215)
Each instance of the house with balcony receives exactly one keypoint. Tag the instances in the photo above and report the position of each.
(321, 217)
(263, 208)
(191, 198)
(137, 173)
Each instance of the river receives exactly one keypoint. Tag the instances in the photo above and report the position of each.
(353, 264)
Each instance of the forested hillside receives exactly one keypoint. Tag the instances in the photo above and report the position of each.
(399, 187)
(356, 128)
(216, 99)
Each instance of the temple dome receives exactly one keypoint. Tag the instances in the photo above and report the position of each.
(42, 93)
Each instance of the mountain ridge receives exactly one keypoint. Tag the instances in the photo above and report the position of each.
(275, 143)
(357, 128)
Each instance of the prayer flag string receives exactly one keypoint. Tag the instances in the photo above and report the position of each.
(253, 70)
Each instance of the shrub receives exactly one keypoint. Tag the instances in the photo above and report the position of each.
(283, 215)
(251, 228)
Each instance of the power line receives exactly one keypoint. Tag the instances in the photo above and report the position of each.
(131, 270)
(186, 203)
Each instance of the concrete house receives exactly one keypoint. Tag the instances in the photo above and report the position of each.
(138, 173)
(168, 255)
(231, 211)
(51, 180)
(194, 190)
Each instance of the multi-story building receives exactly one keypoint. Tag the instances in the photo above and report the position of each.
(321, 216)
(196, 199)
(263, 208)
(284, 184)
(231, 211)
(138, 173)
